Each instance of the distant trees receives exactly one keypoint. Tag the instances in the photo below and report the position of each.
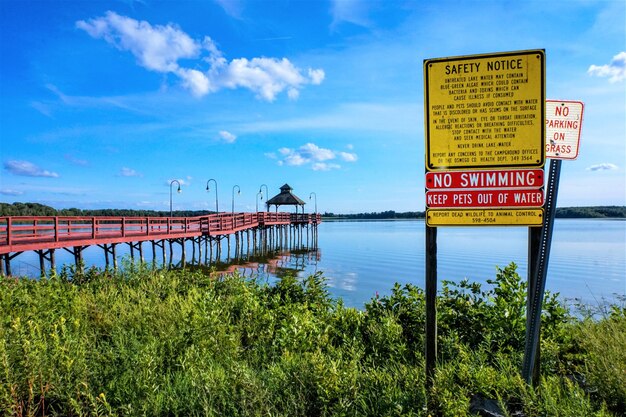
(383, 215)
(36, 209)
(591, 212)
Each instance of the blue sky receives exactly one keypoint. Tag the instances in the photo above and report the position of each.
(104, 103)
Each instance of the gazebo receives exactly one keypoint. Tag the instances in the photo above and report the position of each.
(285, 198)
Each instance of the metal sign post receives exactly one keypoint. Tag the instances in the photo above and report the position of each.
(431, 303)
(540, 273)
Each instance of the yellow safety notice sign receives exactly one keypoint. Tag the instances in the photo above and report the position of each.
(491, 217)
(485, 111)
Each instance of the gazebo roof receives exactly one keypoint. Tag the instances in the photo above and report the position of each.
(285, 198)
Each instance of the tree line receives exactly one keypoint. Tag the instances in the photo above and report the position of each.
(36, 209)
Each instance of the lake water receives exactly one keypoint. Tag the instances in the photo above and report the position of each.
(362, 258)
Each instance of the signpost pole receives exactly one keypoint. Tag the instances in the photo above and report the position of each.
(534, 241)
(540, 272)
(431, 300)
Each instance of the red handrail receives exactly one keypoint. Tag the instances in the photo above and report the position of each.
(19, 233)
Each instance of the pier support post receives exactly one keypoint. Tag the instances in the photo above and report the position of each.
(77, 251)
(45, 255)
(7, 262)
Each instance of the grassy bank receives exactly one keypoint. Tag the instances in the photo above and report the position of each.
(166, 343)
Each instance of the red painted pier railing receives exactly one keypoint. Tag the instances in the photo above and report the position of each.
(44, 234)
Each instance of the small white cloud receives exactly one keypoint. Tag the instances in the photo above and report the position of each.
(603, 167)
(195, 81)
(323, 166)
(348, 157)
(314, 152)
(233, 8)
(28, 169)
(311, 155)
(129, 172)
(173, 184)
(227, 136)
(316, 76)
(615, 70)
(350, 11)
(8, 191)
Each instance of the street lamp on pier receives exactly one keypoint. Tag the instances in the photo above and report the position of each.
(238, 192)
(257, 200)
(266, 196)
(217, 210)
(315, 195)
(178, 191)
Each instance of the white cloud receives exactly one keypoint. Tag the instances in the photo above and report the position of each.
(159, 48)
(156, 47)
(348, 157)
(603, 167)
(615, 70)
(323, 166)
(27, 169)
(195, 81)
(227, 136)
(8, 191)
(129, 172)
(312, 155)
(171, 182)
(233, 8)
(316, 76)
(350, 11)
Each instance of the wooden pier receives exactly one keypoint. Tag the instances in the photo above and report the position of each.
(44, 235)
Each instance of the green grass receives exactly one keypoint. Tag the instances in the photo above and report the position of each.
(178, 343)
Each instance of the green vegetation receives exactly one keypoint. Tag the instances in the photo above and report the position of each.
(617, 212)
(36, 209)
(168, 343)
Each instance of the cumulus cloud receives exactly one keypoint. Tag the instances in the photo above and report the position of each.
(27, 169)
(160, 48)
(226, 136)
(311, 155)
(615, 70)
(129, 172)
(603, 167)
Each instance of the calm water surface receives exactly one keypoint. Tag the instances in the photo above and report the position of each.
(362, 258)
(587, 261)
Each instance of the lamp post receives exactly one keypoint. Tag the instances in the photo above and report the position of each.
(266, 196)
(257, 200)
(178, 191)
(238, 192)
(313, 194)
(217, 210)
